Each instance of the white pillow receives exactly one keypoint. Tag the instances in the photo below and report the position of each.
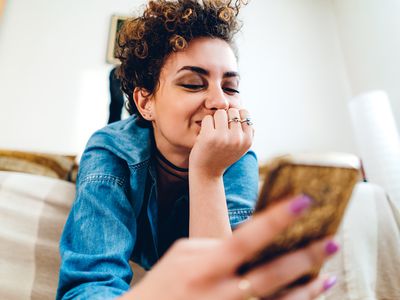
(33, 210)
(368, 264)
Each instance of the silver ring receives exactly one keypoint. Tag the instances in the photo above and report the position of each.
(247, 121)
(235, 119)
(245, 287)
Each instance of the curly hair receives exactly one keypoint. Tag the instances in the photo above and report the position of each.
(145, 42)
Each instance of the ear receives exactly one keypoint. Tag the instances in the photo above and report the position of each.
(144, 103)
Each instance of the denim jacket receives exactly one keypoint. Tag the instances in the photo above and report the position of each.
(114, 215)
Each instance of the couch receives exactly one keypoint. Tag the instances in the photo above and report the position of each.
(33, 209)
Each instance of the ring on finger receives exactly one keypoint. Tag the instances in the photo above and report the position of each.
(247, 121)
(235, 119)
(245, 287)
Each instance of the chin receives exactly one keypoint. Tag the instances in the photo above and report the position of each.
(190, 142)
(186, 140)
(185, 143)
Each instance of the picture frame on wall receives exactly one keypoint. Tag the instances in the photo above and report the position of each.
(116, 23)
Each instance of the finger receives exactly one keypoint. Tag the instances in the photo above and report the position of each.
(247, 125)
(311, 290)
(260, 230)
(220, 119)
(207, 124)
(193, 246)
(234, 119)
(290, 267)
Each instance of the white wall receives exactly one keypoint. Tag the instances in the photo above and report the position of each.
(294, 77)
(53, 75)
(54, 88)
(370, 34)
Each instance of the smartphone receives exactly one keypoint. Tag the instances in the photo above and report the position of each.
(328, 178)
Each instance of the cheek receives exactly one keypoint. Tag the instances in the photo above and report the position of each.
(178, 109)
(175, 117)
(235, 102)
(187, 106)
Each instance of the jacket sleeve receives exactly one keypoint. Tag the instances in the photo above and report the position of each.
(100, 233)
(241, 188)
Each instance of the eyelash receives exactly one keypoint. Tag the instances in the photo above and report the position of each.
(230, 90)
(193, 86)
(198, 87)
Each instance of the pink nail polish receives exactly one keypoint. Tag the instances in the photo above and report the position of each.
(330, 282)
(331, 247)
(300, 204)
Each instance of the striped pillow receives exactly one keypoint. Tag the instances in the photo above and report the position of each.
(33, 210)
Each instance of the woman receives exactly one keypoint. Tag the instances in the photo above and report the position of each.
(180, 166)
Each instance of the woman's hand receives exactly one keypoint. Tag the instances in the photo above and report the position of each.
(222, 140)
(206, 268)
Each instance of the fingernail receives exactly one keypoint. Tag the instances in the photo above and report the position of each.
(330, 282)
(300, 204)
(331, 247)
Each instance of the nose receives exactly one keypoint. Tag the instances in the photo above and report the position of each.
(216, 99)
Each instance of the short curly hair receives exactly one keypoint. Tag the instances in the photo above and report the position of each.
(145, 42)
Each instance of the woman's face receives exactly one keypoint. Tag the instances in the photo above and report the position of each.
(193, 83)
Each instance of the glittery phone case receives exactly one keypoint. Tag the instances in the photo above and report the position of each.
(328, 179)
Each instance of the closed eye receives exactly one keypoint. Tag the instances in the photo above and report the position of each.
(194, 87)
(231, 91)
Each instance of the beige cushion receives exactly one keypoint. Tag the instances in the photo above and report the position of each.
(368, 264)
(33, 211)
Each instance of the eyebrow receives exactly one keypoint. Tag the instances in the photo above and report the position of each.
(206, 72)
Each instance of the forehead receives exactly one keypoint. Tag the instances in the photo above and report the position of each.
(213, 55)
